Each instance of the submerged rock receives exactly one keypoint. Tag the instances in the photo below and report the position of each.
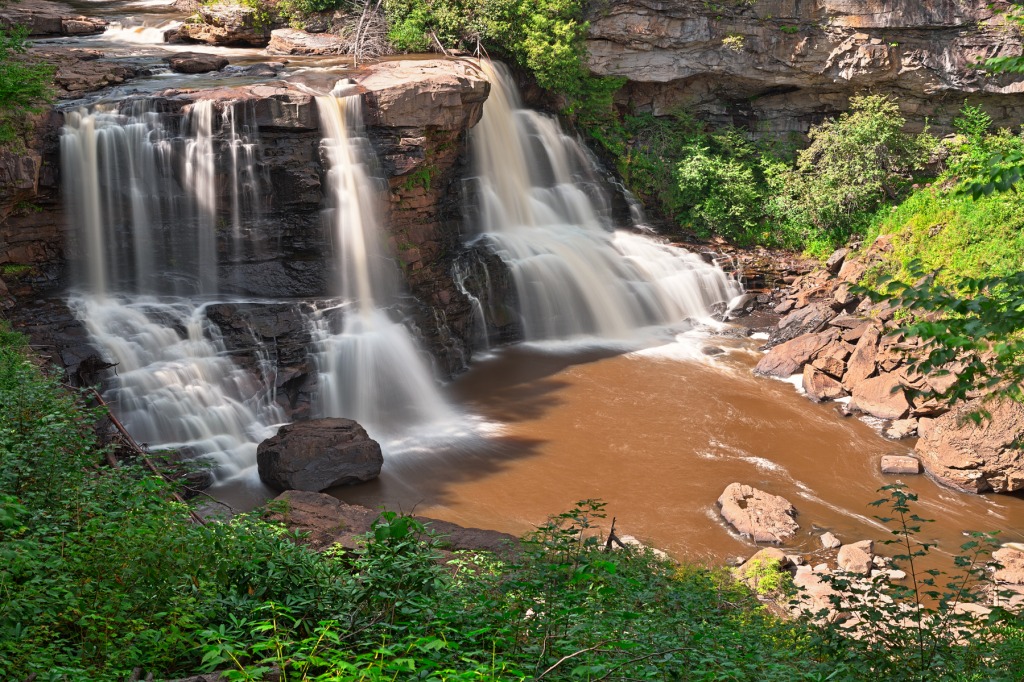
(762, 516)
(900, 464)
(317, 455)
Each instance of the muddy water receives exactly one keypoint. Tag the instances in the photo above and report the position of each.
(658, 434)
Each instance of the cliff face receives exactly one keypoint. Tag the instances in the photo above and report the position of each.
(418, 113)
(779, 66)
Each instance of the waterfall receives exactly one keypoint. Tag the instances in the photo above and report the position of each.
(540, 207)
(147, 251)
(370, 368)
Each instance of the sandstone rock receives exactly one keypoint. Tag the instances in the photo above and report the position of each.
(195, 62)
(804, 320)
(816, 595)
(445, 94)
(861, 364)
(228, 24)
(294, 41)
(830, 541)
(1012, 559)
(882, 397)
(760, 515)
(317, 455)
(752, 570)
(787, 358)
(856, 558)
(976, 457)
(900, 464)
(820, 386)
(900, 429)
(836, 260)
(832, 358)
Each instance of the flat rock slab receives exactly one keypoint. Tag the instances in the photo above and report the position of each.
(1012, 560)
(900, 464)
(762, 516)
(294, 41)
(444, 93)
(327, 521)
(317, 455)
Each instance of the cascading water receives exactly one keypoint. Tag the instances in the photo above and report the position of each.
(573, 276)
(148, 249)
(370, 369)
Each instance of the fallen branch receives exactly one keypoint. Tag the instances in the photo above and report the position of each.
(613, 538)
(141, 454)
(569, 657)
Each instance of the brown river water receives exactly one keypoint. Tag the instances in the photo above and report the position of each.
(657, 435)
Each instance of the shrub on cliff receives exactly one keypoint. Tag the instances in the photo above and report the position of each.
(543, 36)
(25, 85)
(853, 165)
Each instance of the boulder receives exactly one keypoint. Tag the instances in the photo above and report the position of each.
(861, 364)
(294, 41)
(882, 397)
(900, 429)
(856, 558)
(317, 455)
(808, 319)
(441, 93)
(224, 23)
(757, 514)
(753, 572)
(830, 541)
(820, 386)
(195, 62)
(832, 359)
(900, 464)
(787, 359)
(1012, 560)
(977, 457)
(836, 260)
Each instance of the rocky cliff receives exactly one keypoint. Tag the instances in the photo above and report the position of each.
(418, 114)
(778, 66)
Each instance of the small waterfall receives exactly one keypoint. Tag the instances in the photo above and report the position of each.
(540, 207)
(147, 244)
(141, 34)
(370, 368)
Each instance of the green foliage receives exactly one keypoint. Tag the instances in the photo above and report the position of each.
(25, 85)
(544, 36)
(767, 577)
(853, 165)
(917, 631)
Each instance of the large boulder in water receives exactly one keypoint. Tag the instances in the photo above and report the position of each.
(976, 456)
(317, 455)
(762, 516)
(196, 62)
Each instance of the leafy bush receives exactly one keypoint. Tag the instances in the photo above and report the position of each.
(853, 165)
(25, 85)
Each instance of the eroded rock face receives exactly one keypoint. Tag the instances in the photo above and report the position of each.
(229, 24)
(978, 457)
(294, 41)
(317, 455)
(761, 516)
(784, 65)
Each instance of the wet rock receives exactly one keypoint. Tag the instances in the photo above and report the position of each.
(712, 351)
(856, 558)
(820, 386)
(195, 62)
(882, 397)
(294, 41)
(977, 457)
(761, 516)
(805, 320)
(900, 464)
(317, 455)
(900, 429)
(786, 359)
(830, 541)
(1012, 560)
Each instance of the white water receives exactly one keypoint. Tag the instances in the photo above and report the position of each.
(573, 275)
(146, 250)
(140, 34)
(371, 369)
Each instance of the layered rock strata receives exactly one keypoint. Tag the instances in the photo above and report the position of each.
(779, 66)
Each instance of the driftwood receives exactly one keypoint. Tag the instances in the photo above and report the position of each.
(613, 538)
(141, 454)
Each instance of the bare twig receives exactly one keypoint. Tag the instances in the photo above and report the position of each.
(638, 659)
(571, 656)
(438, 43)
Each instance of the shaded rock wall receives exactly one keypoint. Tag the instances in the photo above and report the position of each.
(779, 66)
